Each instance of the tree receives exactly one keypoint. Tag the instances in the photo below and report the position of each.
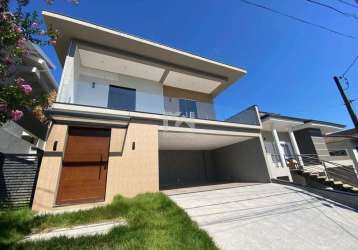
(17, 27)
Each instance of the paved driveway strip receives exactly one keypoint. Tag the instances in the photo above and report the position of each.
(78, 231)
(271, 216)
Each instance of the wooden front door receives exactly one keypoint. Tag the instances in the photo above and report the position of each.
(84, 167)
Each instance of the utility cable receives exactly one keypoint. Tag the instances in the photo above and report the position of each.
(347, 3)
(333, 9)
(350, 66)
(299, 19)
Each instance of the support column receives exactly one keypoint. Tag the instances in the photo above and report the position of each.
(353, 154)
(295, 146)
(280, 150)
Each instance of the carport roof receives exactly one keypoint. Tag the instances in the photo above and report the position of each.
(181, 140)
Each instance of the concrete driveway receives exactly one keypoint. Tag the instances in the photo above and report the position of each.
(270, 216)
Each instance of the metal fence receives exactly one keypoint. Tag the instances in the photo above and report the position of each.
(311, 163)
(18, 178)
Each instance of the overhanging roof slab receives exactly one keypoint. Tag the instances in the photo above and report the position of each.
(73, 29)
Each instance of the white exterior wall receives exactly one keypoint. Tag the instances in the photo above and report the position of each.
(11, 141)
(270, 144)
(276, 169)
(149, 94)
(86, 95)
(69, 76)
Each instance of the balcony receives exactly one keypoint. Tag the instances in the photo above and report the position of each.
(128, 99)
(114, 97)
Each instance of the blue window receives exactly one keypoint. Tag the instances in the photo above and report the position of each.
(121, 98)
(188, 108)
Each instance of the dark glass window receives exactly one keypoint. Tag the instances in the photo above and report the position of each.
(341, 152)
(121, 98)
(188, 108)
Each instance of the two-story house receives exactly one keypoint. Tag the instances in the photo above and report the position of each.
(135, 116)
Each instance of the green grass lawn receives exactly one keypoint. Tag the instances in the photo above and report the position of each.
(154, 222)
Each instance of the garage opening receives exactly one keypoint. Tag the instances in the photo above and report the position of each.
(193, 159)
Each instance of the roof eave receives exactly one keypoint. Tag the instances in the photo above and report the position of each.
(74, 29)
(305, 121)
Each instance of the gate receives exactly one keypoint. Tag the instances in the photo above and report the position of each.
(18, 178)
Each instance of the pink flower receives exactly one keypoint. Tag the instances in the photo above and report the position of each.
(26, 88)
(20, 81)
(18, 29)
(34, 25)
(52, 42)
(16, 115)
(8, 60)
(4, 16)
(7, 15)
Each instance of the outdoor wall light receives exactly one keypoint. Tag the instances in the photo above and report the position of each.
(54, 148)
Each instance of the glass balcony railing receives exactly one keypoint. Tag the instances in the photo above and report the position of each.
(140, 101)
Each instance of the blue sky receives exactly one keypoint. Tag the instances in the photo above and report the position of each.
(290, 64)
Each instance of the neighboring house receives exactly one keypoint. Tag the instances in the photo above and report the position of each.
(135, 116)
(344, 143)
(288, 137)
(28, 134)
